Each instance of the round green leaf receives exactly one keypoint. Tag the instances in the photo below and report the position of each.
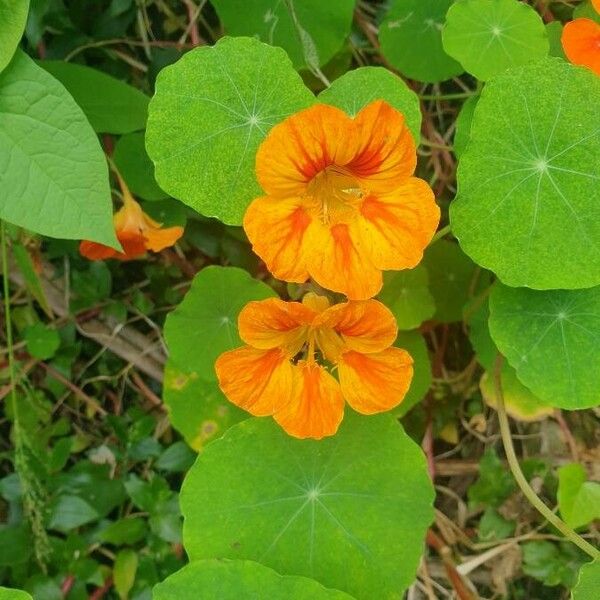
(414, 344)
(411, 40)
(239, 579)
(462, 133)
(318, 31)
(588, 582)
(551, 339)
(406, 293)
(453, 278)
(211, 110)
(53, 170)
(578, 498)
(350, 511)
(42, 342)
(204, 325)
(111, 105)
(489, 36)
(554, 31)
(197, 408)
(136, 167)
(528, 205)
(357, 88)
(10, 594)
(13, 16)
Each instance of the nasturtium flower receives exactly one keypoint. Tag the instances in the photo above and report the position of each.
(581, 42)
(284, 371)
(341, 202)
(136, 232)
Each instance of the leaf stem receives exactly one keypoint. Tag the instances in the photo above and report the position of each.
(513, 463)
(456, 96)
(440, 234)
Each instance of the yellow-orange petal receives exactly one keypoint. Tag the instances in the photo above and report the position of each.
(581, 43)
(317, 407)
(158, 239)
(596, 5)
(304, 144)
(274, 323)
(259, 381)
(386, 154)
(334, 262)
(367, 326)
(277, 231)
(95, 251)
(393, 229)
(373, 383)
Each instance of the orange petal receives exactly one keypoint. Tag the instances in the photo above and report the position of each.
(276, 228)
(300, 147)
(366, 326)
(596, 5)
(158, 239)
(393, 229)
(317, 406)
(387, 152)
(274, 323)
(133, 244)
(581, 43)
(259, 381)
(373, 383)
(335, 262)
(94, 251)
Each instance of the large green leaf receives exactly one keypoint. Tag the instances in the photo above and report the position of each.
(462, 132)
(551, 338)
(205, 323)
(357, 88)
(528, 204)
(53, 171)
(10, 594)
(197, 408)
(350, 511)
(588, 582)
(13, 16)
(237, 580)
(578, 498)
(411, 40)
(489, 36)
(406, 293)
(318, 31)
(111, 105)
(211, 111)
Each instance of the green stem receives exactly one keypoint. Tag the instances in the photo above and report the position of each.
(456, 96)
(440, 234)
(513, 463)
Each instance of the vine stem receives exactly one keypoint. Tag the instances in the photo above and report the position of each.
(440, 234)
(515, 468)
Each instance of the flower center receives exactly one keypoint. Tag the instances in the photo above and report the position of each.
(335, 195)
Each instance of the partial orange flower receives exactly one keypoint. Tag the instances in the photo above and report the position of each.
(341, 202)
(581, 42)
(281, 372)
(596, 5)
(136, 232)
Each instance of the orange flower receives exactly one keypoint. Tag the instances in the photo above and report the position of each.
(136, 232)
(581, 42)
(341, 201)
(277, 373)
(596, 5)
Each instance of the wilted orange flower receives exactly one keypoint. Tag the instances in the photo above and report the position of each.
(277, 373)
(341, 201)
(581, 42)
(136, 232)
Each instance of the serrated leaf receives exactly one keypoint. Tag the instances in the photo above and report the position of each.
(489, 36)
(528, 205)
(197, 407)
(210, 112)
(238, 579)
(136, 168)
(359, 87)
(111, 105)
(411, 40)
(326, 25)
(13, 16)
(406, 293)
(550, 337)
(578, 499)
(53, 171)
(350, 511)
(204, 325)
